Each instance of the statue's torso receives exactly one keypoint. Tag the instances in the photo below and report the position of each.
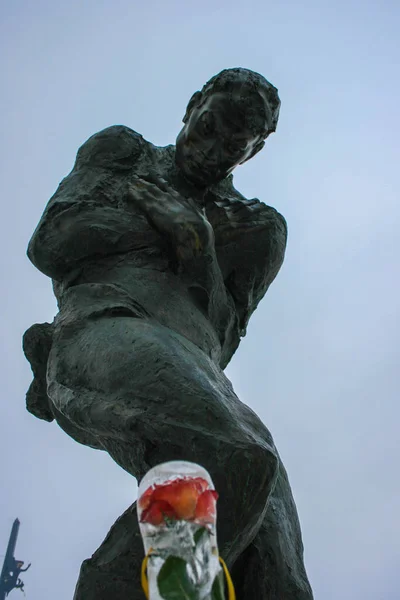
(105, 257)
(142, 281)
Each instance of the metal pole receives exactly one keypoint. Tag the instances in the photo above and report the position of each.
(8, 563)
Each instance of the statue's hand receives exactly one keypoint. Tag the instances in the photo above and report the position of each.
(178, 218)
(238, 214)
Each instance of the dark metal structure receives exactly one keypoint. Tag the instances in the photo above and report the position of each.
(9, 579)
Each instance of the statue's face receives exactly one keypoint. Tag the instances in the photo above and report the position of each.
(214, 140)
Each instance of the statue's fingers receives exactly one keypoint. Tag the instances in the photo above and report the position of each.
(154, 179)
(163, 185)
(147, 190)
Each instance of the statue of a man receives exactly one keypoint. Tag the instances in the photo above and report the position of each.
(158, 263)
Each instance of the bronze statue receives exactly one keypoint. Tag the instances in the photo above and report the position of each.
(158, 263)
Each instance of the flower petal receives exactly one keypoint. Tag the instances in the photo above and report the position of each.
(206, 508)
(145, 499)
(182, 495)
(155, 514)
(201, 483)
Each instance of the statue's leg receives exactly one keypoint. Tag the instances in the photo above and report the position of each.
(149, 395)
(272, 567)
(113, 572)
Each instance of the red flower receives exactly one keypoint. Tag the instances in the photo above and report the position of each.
(181, 499)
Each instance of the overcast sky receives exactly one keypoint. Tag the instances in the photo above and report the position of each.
(320, 361)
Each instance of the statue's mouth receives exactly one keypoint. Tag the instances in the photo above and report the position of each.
(203, 167)
(195, 169)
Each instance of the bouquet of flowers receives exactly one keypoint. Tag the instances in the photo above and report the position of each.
(177, 518)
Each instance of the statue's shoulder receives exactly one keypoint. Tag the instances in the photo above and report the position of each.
(116, 147)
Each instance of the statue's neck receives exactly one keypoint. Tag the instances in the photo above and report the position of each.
(186, 187)
(192, 190)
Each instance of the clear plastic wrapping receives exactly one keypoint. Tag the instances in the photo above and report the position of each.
(177, 519)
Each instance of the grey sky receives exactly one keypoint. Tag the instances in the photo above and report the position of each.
(320, 361)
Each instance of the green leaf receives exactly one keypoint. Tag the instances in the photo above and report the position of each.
(198, 535)
(174, 582)
(218, 588)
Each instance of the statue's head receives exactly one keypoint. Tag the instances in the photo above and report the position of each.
(226, 124)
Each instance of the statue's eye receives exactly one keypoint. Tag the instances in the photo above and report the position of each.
(207, 128)
(207, 125)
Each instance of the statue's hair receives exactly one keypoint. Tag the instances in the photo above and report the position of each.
(258, 97)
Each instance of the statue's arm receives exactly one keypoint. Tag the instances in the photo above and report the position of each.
(250, 240)
(85, 217)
